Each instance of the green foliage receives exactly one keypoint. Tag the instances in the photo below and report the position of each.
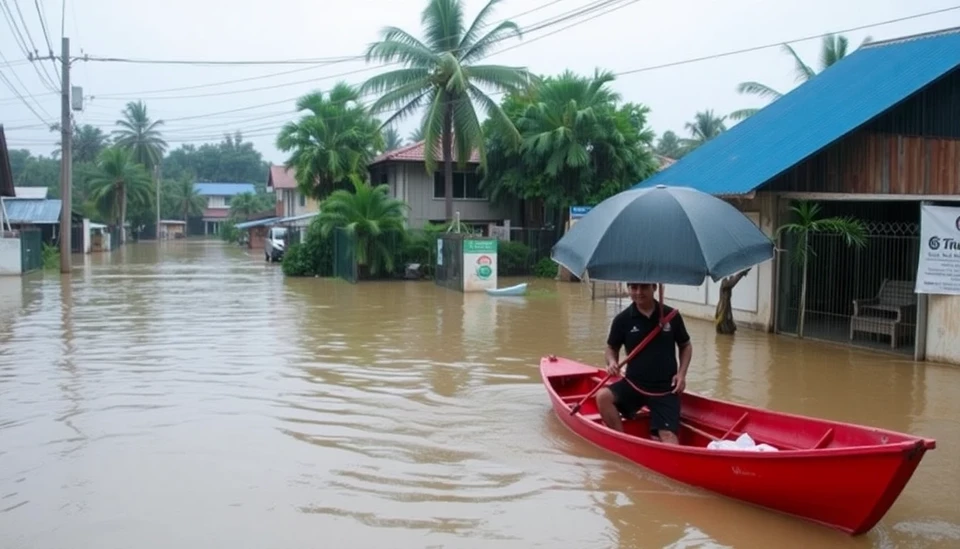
(140, 135)
(51, 257)
(440, 76)
(332, 143)
(545, 268)
(373, 219)
(313, 256)
(229, 231)
(807, 223)
(118, 180)
(232, 159)
(513, 258)
(579, 144)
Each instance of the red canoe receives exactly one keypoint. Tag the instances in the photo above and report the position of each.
(837, 474)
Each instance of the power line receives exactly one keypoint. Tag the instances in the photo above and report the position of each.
(621, 73)
(722, 54)
(778, 44)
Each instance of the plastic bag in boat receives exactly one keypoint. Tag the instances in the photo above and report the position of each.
(744, 443)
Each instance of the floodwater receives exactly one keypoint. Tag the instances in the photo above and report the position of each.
(188, 395)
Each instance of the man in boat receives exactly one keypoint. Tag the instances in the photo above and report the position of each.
(653, 378)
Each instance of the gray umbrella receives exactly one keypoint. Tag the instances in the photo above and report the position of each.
(664, 235)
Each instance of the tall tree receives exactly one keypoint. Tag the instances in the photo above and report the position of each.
(141, 135)
(440, 75)
(119, 179)
(391, 140)
(332, 142)
(188, 200)
(704, 127)
(670, 146)
(832, 49)
(578, 144)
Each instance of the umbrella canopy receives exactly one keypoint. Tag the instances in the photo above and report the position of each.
(665, 235)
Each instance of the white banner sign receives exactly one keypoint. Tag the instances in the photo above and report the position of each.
(938, 271)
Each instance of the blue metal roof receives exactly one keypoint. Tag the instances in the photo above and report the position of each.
(256, 223)
(840, 99)
(223, 189)
(36, 211)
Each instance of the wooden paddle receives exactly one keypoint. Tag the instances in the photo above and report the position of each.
(653, 333)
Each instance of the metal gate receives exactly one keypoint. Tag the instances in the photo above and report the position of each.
(844, 283)
(344, 255)
(31, 250)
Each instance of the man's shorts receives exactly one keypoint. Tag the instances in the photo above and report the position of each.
(664, 410)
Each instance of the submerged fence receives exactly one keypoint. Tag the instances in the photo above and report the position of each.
(863, 296)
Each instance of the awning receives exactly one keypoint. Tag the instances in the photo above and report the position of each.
(257, 223)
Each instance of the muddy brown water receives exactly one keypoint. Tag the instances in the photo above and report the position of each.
(189, 395)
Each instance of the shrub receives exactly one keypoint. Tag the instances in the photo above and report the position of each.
(513, 258)
(311, 257)
(545, 268)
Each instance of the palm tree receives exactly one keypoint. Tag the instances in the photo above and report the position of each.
(188, 200)
(117, 180)
(140, 135)
(669, 145)
(88, 142)
(334, 141)
(574, 133)
(391, 140)
(373, 219)
(244, 205)
(440, 75)
(851, 230)
(416, 135)
(833, 49)
(705, 126)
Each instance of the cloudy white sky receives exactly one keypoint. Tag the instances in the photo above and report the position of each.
(640, 34)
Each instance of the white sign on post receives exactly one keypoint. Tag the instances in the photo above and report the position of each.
(938, 271)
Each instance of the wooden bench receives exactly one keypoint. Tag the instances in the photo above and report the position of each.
(893, 312)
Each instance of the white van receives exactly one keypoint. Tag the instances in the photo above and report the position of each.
(275, 244)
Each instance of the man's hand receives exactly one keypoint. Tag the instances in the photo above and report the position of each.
(613, 367)
(679, 383)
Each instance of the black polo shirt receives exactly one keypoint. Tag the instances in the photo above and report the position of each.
(654, 367)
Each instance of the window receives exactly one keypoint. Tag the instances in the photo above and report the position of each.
(226, 201)
(303, 199)
(466, 186)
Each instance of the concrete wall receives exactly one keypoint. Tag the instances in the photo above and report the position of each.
(10, 263)
(217, 203)
(409, 181)
(289, 200)
(86, 235)
(943, 328)
(753, 297)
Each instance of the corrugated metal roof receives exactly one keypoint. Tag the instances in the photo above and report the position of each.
(299, 217)
(43, 211)
(31, 192)
(256, 223)
(837, 101)
(223, 189)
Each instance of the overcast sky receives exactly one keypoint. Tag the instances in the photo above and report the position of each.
(642, 33)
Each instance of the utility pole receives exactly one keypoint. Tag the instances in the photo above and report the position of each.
(156, 176)
(66, 161)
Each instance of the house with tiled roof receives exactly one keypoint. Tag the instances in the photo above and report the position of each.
(403, 170)
(218, 196)
(290, 201)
